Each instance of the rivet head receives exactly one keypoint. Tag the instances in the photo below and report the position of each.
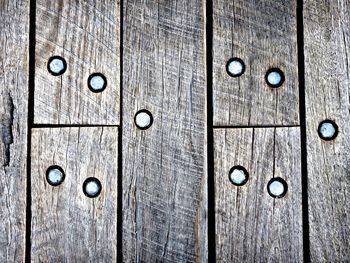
(277, 187)
(238, 175)
(56, 65)
(235, 67)
(328, 130)
(92, 187)
(274, 77)
(143, 119)
(97, 82)
(55, 175)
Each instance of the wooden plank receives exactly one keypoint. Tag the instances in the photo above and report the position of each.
(263, 35)
(86, 35)
(252, 226)
(327, 80)
(13, 127)
(164, 167)
(68, 226)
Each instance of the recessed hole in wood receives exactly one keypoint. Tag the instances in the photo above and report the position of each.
(56, 65)
(143, 119)
(328, 130)
(92, 187)
(235, 67)
(274, 77)
(55, 175)
(97, 82)
(277, 187)
(238, 175)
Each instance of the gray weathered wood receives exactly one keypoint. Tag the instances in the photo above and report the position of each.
(164, 167)
(14, 21)
(263, 35)
(86, 34)
(327, 81)
(68, 226)
(251, 226)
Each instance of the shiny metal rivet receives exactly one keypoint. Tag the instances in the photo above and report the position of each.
(277, 187)
(55, 175)
(238, 175)
(274, 77)
(143, 119)
(97, 82)
(235, 67)
(92, 187)
(56, 65)
(328, 130)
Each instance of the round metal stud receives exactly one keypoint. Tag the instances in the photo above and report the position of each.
(235, 67)
(238, 175)
(143, 119)
(274, 77)
(328, 130)
(92, 187)
(97, 82)
(55, 175)
(277, 187)
(56, 65)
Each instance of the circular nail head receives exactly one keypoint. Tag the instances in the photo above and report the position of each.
(277, 187)
(274, 77)
(235, 67)
(97, 82)
(92, 187)
(328, 130)
(143, 119)
(238, 175)
(55, 175)
(56, 65)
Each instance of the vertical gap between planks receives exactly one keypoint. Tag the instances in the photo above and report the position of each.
(120, 145)
(210, 128)
(304, 181)
(31, 84)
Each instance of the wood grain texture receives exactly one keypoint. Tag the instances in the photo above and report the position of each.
(263, 35)
(251, 226)
(13, 127)
(86, 34)
(164, 167)
(68, 226)
(327, 81)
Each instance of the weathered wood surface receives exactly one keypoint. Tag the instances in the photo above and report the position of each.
(252, 226)
(68, 226)
(86, 35)
(263, 35)
(327, 81)
(14, 35)
(164, 167)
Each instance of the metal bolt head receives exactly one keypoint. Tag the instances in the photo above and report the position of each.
(328, 130)
(97, 82)
(92, 187)
(277, 187)
(55, 175)
(274, 77)
(56, 65)
(238, 175)
(143, 119)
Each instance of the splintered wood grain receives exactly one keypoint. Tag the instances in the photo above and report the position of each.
(13, 127)
(68, 226)
(252, 226)
(86, 35)
(263, 35)
(327, 82)
(164, 167)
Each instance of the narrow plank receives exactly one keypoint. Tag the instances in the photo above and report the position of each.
(13, 126)
(263, 35)
(252, 226)
(68, 226)
(327, 81)
(164, 167)
(86, 35)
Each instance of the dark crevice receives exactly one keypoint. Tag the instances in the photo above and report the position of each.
(6, 129)
(43, 126)
(31, 82)
(304, 181)
(254, 126)
(210, 131)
